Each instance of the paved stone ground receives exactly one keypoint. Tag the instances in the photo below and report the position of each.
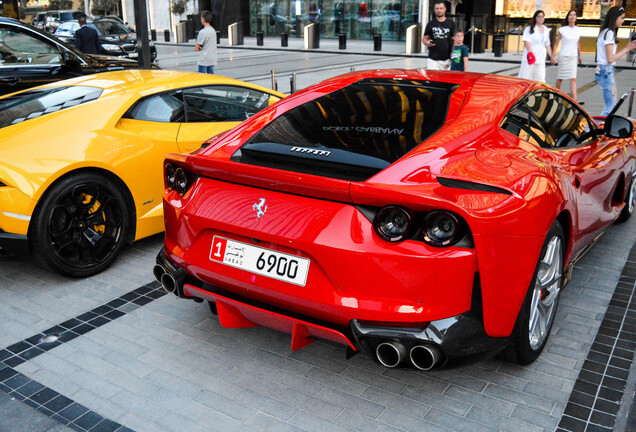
(165, 364)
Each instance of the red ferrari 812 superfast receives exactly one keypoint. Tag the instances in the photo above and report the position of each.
(424, 218)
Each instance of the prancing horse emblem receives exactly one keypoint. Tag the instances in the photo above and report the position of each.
(260, 208)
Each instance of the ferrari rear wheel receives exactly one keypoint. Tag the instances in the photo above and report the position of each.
(536, 317)
(630, 201)
(80, 226)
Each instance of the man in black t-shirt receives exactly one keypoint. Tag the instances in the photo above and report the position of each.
(438, 37)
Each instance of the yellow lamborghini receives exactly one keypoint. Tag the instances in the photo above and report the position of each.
(81, 160)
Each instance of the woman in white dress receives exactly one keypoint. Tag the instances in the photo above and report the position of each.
(536, 38)
(569, 35)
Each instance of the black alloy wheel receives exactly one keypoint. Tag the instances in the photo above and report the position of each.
(80, 226)
(539, 307)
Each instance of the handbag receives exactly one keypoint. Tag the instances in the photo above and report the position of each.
(531, 58)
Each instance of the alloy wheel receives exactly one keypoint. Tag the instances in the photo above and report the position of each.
(85, 225)
(545, 294)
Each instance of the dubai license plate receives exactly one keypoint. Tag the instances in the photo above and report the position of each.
(266, 262)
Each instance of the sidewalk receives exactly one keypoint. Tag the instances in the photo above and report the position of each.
(365, 47)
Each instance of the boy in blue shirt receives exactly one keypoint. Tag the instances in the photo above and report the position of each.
(459, 56)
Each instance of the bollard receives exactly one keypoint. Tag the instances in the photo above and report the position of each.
(292, 83)
(218, 37)
(284, 39)
(235, 33)
(498, 41)
(414, 39)
(259, 38)
(310, 34)
(342, 41)
(377, 42)
(153, 34)
(166, 35)
(274, 85)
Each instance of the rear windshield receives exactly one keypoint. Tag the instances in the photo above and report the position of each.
(35, 103)
(354, 132)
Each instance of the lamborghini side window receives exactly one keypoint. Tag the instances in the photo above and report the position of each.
(522, 122)
(559, 117)
(223, 103)
(164, 108)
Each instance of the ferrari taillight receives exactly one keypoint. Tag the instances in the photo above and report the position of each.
(442, 228)
(169, 175)
(393, 223)
(439, 228)
(178, 178)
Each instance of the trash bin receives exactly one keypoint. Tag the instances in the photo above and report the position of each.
(342, 41)
(218, 37)
(377, 42)
(498, 41)
(166, 35)
(259, 38)
(153, 34)
(180, 33)
(284, 39)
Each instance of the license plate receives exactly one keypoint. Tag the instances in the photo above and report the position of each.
(266, 262)
(133, 55)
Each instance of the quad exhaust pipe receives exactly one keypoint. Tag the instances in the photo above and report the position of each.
(171, 282)
(390, 354)
(425, 357)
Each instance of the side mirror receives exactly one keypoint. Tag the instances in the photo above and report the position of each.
(618, 127)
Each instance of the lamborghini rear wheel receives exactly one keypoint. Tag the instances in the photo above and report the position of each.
(80, 226)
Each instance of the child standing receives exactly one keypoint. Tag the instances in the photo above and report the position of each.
(459, 56)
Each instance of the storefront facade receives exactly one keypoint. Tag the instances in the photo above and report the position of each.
(358, 19)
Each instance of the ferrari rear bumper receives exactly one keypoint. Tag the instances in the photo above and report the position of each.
(448, 342)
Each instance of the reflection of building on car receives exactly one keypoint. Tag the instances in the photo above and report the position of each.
(116, 39)
(402, 220)
(73, 198)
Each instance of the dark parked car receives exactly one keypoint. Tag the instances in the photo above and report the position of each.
(117, 39)
(31, 57)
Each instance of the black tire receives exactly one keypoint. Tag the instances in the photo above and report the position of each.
(80, 225)
(526, 345)
(630, 201)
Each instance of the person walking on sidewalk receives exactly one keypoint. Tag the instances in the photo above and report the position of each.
(570, 36)
(438, 37)
(536, 38)
(86, 38)
(206, 44)
(606, 56)
(459, 56)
